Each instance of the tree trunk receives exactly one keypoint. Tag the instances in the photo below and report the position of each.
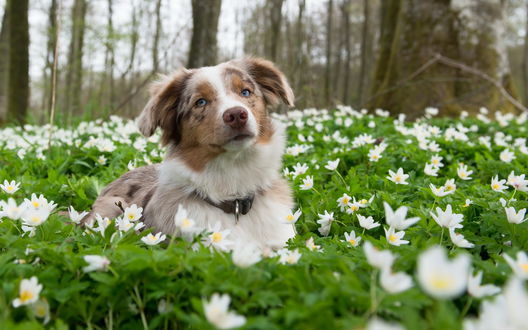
(157, 33)
(275, 19)
(75, 64)
(4, 60)
(413, 31)
(365, 46)
(18, 80)
(345, 11)
(110, 60)
(300, 57)
(329, 33)
(50, 49)
(203, 50)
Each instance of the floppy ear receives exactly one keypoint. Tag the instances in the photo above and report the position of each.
(165, 95)
(270, 79)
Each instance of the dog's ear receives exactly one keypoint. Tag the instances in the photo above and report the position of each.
(270, 79)
(165, 95)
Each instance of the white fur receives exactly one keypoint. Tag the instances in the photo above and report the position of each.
(232, 175)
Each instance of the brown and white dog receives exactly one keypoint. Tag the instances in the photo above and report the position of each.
(223, 153)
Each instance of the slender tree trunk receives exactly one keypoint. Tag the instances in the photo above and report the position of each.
(329, 33)
(365, 42)
(18, 81)
(157, 33)
(275, 18)
(111, 58)
(525, 59)
(300, 58)
(52, 41)
(203, 50)
(345, 10)
(4, 60)
(75, 64)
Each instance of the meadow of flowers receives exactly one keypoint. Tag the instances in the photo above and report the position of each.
(400, 224)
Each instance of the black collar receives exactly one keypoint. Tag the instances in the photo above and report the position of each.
(239, 206)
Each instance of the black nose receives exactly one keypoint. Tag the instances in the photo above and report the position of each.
(236, 117)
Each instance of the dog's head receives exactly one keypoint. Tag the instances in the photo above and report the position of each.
(211, 110)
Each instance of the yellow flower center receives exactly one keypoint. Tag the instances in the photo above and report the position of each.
(524, 267)
(463, 174)
(10, 188)
(363, 201)
(352, 241)
(435, 161)
(441, 283)
(186, 223)
(35, 204)
(354, 207)
(131, 216)
(216, 237)
(26, 295)
(346, 200)
(495, 186)
(393, 238)
(375, 156)
(397, 178)
(40, 311)
(449, 188)
(34, 219)
(289, 218)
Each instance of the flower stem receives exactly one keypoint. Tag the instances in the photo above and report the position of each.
(442, 236)
(511, 198)
(139, 302)
(342, 179)
(466, 307)
(373, 302)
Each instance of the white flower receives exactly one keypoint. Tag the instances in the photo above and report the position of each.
(381, 259)
(395, 238)
(34, 217)
(498, 185)
(287, 257)
(299, 169)
(379, 324)
(395, 282)
(186, 225)
(30, 230)
(440, 191)
(325, 220)
(131, 165)
(292, 217)
(39, 202)
(352, 239)
(364, 203)
(124, 225)
(519, 265)
(28, 292)
(441, 277)
(397, 219)
(518, 182)
(10, 187)
(11, 209)
(399, 177)
(463, 172)
(480, 291)
(459, 240)
(310, 244)
(515, 217)
(507, 156)
(96, 262)
(133, 213)
(344, 202)
(245, 255)
(354, 206)
(436, 161)
(332, 165)
(367, 223)
(450, 185)
(75, 216)
(217, 312)
(307, 183)
(41, 310)
(101, 160)
(218, 238)
(153, 239)
(431, 170)
(468, 202)
(447, 218)
(374, 155)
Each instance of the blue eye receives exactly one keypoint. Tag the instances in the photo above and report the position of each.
(201, 102)
(245, 92)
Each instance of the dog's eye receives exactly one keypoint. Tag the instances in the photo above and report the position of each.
(245, 92)
(201, 102)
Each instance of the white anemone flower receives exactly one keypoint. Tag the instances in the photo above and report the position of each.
(367, 222)
(498, 185)
(352, 239)
(439, 191)
(332, 164)
(395, 238)
(440, 277)
(218, 238)
(325, 222)
(96, 262)
(153, 239)
(399, 177)
(381, 259)
(307, 183)
(459, 240)
(292, 217)
(507, 156)
(480, 291)
(28, 292)
(10, 187)
(75, 216)
(217, 312)
(463, 172)
(246, 254)
(518, 182)
(11, 210)
(287, 257)
(515, 217)
(133, 213)
(431, 170)
(518, 265)
(35, 217)
(397, 219)
(395, 282)
(447, 218)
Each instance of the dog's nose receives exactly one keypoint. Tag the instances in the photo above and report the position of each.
(236, 117)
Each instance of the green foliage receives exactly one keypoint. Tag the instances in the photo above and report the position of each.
(163, 286)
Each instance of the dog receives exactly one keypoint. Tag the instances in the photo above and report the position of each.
(223, 158)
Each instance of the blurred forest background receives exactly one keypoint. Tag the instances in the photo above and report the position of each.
(400, 55)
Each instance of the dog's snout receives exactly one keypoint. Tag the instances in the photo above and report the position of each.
(236, 117)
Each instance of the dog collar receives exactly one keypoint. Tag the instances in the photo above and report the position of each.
(239, 206)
